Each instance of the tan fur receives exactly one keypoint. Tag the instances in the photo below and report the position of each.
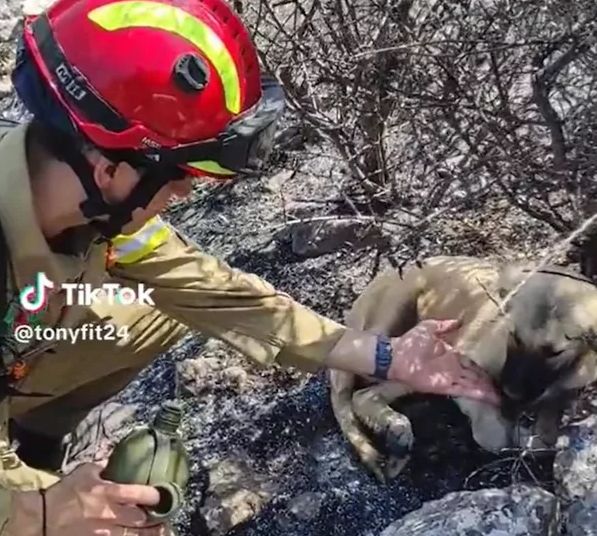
(471, 290)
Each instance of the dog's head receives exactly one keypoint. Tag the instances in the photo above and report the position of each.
(534, 373)
(553, 340)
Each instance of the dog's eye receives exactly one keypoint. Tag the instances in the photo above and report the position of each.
(550, 351)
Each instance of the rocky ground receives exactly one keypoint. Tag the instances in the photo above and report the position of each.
(277, 462)
(268, 457)
(268, 437)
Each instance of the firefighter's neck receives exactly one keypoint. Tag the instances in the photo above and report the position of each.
(57, 194)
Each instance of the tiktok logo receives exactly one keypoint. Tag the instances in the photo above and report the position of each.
(33, 297)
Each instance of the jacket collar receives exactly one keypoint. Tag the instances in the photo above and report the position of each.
(30, 253)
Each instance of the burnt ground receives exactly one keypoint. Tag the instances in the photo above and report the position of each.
(279, 422)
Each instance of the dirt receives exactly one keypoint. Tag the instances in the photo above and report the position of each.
(278, 423)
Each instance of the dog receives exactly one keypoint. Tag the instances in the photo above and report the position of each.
(533, 331)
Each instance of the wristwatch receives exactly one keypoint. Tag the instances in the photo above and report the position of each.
(383, 357)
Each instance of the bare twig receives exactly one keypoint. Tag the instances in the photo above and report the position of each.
(438, 104)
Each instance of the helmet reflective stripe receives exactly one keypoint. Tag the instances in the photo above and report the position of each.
(210, 167)
(139, 13)
(133, 247)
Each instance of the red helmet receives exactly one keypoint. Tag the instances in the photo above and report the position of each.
(171, 86)
(176, 80)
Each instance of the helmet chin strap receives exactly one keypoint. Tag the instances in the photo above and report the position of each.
(121, 214)
(95, 207)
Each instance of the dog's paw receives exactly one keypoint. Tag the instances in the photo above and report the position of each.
(390, 432)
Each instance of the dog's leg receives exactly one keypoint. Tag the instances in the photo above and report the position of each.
(547, 427)
(342, 384)
(387, 306)
(392, 429)
(490, 429)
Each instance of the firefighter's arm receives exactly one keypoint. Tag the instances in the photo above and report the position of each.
(79, 503)
(211, 297)
(7, 503)
(75, 503)
(24, 515)
(18, 499)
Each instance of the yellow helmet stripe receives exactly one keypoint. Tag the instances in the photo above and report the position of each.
(139, 13)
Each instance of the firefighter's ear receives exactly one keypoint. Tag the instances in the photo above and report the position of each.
(104, 171)
(115, 180)
(111, 170)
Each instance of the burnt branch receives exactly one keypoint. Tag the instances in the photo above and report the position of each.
(429, 102)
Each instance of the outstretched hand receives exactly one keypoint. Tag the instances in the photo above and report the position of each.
(427, 363)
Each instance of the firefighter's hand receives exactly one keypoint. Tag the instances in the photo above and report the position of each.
(83, 504)
(421, 359)
(424, 361)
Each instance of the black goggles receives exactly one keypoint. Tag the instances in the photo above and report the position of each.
(243, 146)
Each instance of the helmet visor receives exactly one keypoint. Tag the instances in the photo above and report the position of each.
(245, 145)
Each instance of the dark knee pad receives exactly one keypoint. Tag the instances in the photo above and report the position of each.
(37, 450)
